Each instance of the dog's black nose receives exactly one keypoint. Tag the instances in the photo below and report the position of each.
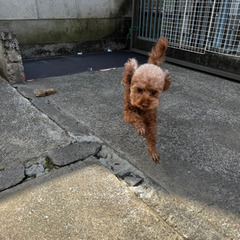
(144, 104)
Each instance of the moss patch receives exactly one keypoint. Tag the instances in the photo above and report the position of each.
(49, 165)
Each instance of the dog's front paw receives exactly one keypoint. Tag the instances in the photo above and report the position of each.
(154, 155)
(140, 128)
(141, 131)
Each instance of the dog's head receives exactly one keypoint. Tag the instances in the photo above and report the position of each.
(147, 84)
(147, 81)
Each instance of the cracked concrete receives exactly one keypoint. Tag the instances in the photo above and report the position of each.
(195, 198)
(11, 176)
(25, 132)
(72, 153)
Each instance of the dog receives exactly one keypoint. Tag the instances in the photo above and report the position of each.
(143, 86)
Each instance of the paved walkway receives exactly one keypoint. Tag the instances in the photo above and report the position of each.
(70, 165)
(81, 201)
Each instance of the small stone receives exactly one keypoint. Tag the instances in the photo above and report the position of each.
(35, 170)
(133, 180)
(104, 152)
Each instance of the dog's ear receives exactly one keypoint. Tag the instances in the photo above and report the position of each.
(157, 55)
(130, 67)
(167, 78)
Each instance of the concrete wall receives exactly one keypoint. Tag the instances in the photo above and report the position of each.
(41, 24)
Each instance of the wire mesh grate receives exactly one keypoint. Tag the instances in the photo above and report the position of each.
(193, 25)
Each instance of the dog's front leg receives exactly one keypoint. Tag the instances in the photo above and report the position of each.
(150, 121)
(131, 116)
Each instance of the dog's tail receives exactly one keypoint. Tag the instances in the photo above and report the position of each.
(157, 55)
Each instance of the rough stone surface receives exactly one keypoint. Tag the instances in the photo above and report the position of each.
(226, 222)
(73, 152)
(11, 176)
(11, 66)
(69, 204)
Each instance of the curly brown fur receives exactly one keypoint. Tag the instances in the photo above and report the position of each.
(143, 87)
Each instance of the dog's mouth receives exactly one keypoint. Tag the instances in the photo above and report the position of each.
(144, 105)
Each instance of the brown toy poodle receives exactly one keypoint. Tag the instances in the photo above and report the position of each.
(143, 87)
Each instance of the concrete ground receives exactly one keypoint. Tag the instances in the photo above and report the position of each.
(193, 193)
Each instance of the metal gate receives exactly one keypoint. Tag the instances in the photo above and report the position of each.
(197, 30)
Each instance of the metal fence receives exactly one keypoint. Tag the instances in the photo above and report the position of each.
(193, 25)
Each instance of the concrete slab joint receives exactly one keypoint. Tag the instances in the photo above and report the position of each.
(11, 66)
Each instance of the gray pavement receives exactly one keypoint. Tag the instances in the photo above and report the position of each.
(193, 193)
(24, 128)
(81, 201)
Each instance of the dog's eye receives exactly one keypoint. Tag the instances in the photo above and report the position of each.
(154, 92)
(140, 90)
